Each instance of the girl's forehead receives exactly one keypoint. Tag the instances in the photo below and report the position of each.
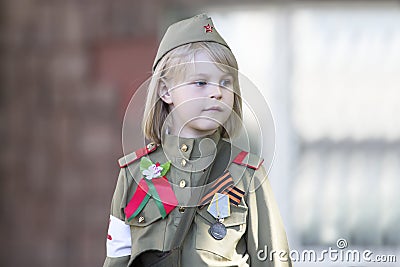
(207, 70)
(202, 64)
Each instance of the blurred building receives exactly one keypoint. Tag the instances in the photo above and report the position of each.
(330, 71)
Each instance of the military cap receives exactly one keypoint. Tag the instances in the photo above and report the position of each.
(199, 28)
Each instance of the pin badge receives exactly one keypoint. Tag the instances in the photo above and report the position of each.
(208, 28)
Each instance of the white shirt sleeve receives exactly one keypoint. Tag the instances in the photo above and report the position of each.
(118, 238)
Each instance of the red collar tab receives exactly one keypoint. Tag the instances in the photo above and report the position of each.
(130, 158)
(250, 162)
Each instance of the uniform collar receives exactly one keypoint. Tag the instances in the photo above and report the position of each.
(189, 148)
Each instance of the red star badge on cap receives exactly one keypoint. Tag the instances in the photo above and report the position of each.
(208, 28)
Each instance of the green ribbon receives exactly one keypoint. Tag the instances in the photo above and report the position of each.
(153, 192)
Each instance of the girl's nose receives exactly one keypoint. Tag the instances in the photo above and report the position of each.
(216, 92)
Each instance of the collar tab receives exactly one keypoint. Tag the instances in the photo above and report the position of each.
(134, 156)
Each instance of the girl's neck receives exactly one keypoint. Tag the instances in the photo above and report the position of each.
(191, 134)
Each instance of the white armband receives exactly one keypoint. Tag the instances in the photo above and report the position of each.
(118, 238)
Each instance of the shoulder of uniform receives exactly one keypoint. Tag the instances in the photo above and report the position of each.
(247, 159)
(132, 157)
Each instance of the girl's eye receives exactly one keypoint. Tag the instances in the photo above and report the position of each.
(200, 83)
(226, 83)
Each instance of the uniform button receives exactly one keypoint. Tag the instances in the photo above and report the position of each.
(184, 148)
(141, 219)
(183, 163)
(181, 209)
(182, 183)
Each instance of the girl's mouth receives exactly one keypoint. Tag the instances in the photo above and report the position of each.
(213, 108)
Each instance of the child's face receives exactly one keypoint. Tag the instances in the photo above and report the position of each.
(203, 102)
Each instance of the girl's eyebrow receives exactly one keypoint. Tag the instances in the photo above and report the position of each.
(228, 75)
(205, 75)
(195, 75)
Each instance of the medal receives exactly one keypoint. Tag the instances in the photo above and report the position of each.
(219, 208)
(217, 230)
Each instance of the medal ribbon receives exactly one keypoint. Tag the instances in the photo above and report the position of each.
(217, 208)
(224, 185)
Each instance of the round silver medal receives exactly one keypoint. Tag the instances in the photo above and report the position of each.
(217, 230)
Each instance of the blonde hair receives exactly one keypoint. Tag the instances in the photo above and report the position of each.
(172, 66)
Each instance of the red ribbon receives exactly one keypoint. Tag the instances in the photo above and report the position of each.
(159, 189)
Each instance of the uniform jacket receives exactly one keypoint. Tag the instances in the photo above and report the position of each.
(253, 225)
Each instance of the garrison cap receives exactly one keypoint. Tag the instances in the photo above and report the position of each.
(199, 28)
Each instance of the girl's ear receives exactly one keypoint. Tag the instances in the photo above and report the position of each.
(163, 92)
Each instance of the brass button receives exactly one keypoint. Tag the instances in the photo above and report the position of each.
(183, 163)
(141, 219)
(181, 209)
(182, 183)
(151, 145)
(184, 148)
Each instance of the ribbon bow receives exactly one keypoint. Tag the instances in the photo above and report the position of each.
(154, 184)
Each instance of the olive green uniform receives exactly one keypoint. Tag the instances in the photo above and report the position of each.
(252, 226)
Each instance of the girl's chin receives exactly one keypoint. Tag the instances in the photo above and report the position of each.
(199, 129)
(204, 125)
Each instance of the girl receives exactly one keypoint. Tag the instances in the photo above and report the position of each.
(191, 198)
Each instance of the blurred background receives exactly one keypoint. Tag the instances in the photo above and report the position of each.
(330, 71)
